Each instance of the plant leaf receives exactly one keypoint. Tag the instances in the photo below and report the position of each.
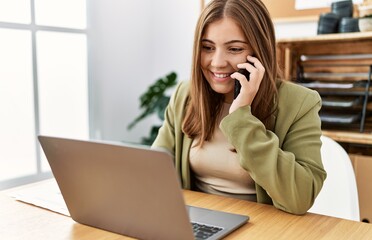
(154, 99)
(153, 134)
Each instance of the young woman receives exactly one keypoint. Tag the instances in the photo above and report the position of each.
(262, 146)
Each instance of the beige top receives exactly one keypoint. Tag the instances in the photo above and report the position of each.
(217, 169)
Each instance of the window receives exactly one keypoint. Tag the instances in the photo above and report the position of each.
(43, 82)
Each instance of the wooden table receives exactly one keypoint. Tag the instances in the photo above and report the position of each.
(23, 221)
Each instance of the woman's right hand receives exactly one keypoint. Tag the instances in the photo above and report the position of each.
(249, 88)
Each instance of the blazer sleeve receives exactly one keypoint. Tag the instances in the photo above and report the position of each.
(286, 164)
(165, 139)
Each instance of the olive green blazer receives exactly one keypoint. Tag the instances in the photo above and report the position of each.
(284, 163)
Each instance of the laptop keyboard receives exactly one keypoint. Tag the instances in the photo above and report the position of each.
(203, 231)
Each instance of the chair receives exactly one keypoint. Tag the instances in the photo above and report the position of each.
(339, 195)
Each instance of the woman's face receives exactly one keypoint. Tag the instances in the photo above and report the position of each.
(223, 47)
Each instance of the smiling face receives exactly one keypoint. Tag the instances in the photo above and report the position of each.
(224, 45)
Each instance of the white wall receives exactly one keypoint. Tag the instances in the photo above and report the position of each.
(131, 44)
(295, 29)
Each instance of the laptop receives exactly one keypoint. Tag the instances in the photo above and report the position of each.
(131, 190)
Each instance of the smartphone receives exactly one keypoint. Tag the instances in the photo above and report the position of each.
(237, 83)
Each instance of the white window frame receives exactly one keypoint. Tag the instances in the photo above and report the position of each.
(40, 175)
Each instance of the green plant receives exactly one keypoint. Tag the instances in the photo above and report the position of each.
(155, 101)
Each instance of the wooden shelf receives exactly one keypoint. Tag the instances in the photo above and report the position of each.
(349, 137)
(322, 55)
(290, 50)
(355, 36)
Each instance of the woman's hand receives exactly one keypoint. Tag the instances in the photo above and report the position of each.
(249, 88)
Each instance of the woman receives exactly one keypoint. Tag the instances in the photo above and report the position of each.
(262, 146)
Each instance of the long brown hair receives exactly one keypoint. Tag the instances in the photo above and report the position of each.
(204, 104)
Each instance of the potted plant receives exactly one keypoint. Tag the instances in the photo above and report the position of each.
(154, 101)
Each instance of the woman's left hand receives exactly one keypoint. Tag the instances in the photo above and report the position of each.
(249, 88)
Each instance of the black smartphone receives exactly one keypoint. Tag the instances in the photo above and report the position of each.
(237, 83)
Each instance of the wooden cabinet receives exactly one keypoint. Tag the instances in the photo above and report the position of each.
(363, 169)
(339, 67)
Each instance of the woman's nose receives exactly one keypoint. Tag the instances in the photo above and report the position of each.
(218, 59)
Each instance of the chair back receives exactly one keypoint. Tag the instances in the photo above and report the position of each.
(339, 195)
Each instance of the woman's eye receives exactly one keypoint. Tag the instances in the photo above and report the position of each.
(236, 50)
(207, 48)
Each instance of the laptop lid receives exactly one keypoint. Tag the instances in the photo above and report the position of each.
(127, 189)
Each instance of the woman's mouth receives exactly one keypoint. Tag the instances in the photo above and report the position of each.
(220, 77)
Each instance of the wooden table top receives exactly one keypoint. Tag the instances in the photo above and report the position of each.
(24, 221)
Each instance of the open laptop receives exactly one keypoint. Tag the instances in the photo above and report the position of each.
(131, 190)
